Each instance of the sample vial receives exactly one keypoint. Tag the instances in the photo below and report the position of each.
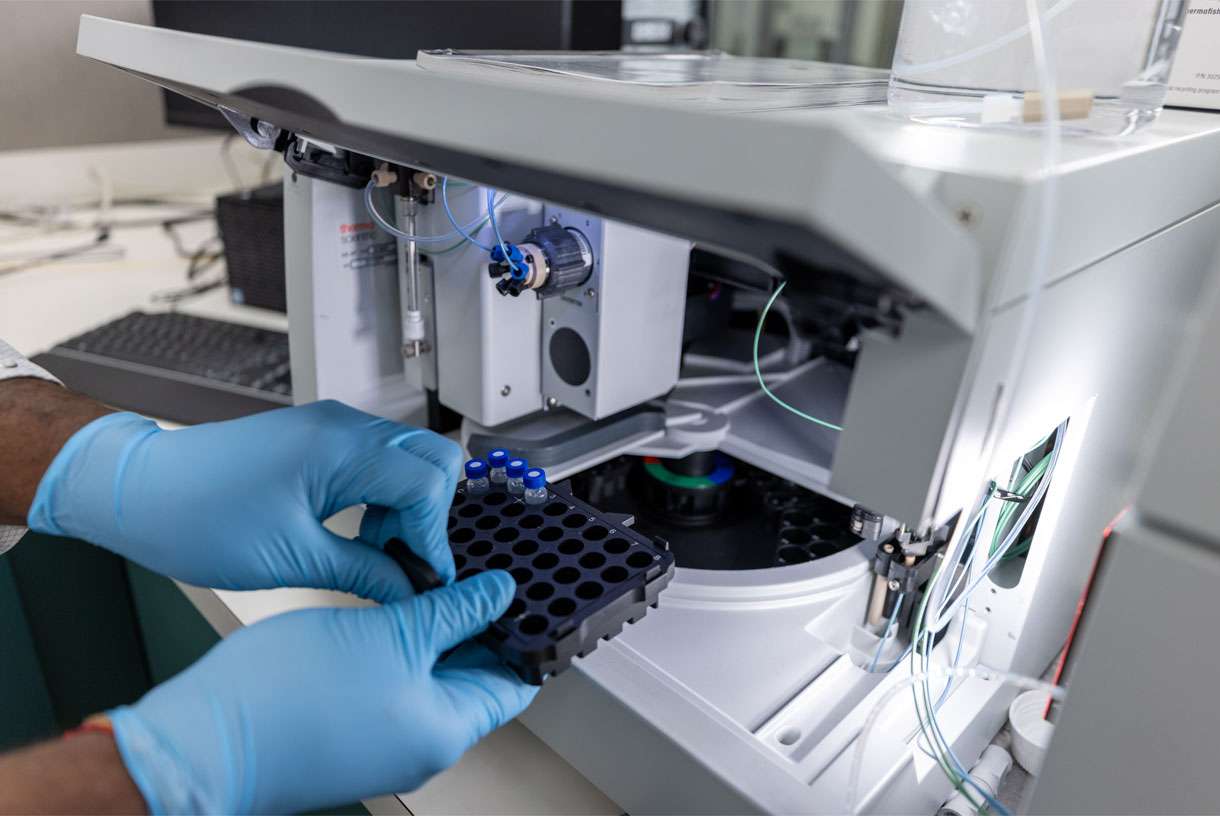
(535, 486)
(515, 470)
(496, 460)
(476, 477)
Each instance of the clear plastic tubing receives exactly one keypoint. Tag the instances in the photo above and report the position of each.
(476, 477)
(497, 460)
(515, 471)
(535, 486)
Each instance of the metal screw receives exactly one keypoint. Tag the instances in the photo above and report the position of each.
(965, 216)
(894, 585)
(551, 402)
(506, 390)
(590, 293)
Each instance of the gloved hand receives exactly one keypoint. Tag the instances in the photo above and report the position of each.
(324, 706)
(239, 504)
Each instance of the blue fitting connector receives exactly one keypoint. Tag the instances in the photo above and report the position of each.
(515, 260)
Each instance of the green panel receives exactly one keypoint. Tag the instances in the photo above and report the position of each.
(28, 714)
(82, 622)
(175, 634)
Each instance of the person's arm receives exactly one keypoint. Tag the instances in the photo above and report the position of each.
(36, 419)
(78, 774)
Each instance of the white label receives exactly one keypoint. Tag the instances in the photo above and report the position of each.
(1195, 80)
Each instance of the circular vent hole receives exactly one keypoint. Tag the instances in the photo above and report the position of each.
(555, 509)
(573, 521)
(531, 522)
(539, 592)
(589, 590)
(550, 534)
(459, 499)
(479, 549)
(515, 608)
(793, 555)
(532, 625)
(493, 499)
(459, 561)
(615, 574)
(639, 560)
(462, 536)
(592, 560)
(796, 518)
(500, 561)
(546, 561)
(525, 547)
(566, 575)
(617, 546)
(487, 523)
(796, 537)
(596, 533)
(464, 574)
(470, 511)
(571, 546)
(562, 607)
(521, 575)
(513, 510)
(506, 534)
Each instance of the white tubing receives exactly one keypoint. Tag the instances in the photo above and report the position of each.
(980, 672)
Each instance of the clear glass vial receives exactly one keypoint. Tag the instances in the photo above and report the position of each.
(535, 486)
(476, 477)
(496, 462)
(515, 470)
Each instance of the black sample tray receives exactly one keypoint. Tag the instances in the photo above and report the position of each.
(580, 574)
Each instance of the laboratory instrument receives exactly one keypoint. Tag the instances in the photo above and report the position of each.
(805, 343)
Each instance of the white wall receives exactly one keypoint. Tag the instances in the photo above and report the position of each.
(50, 97)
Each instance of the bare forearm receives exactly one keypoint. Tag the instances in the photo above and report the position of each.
(81, 774)
(36, 419)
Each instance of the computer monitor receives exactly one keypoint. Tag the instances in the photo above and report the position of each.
(395, 29)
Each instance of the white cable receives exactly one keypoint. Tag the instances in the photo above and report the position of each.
(980, 672)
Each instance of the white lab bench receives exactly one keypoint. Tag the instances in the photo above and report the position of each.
(511, 771)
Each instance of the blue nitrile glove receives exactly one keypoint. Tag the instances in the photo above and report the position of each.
(324, 706)
(239, 504)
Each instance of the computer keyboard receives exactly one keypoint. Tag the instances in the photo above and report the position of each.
(177, 366)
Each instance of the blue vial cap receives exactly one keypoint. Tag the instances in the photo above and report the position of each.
(497, 458)
(516, 468)
(534, 478)
(476, 469)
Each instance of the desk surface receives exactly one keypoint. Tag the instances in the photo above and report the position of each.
(510, 772)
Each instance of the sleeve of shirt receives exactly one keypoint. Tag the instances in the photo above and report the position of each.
(13, 365)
